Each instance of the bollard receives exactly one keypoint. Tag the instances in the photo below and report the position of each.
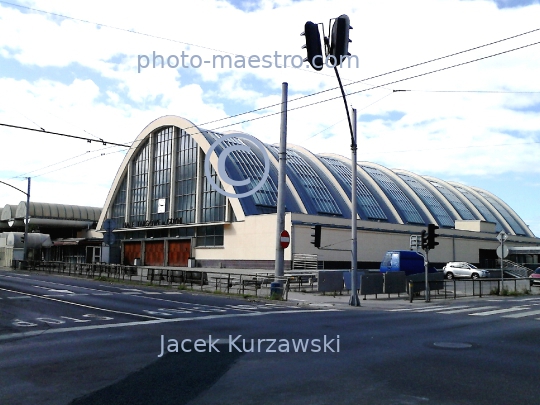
(410, 291)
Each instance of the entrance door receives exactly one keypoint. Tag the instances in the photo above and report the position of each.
(93, 254)
(132, 251)
(154, 253)
(179, 251)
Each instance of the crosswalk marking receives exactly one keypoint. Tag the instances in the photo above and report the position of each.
(442, 309)
(417, 309)
(499, 311)
(457, 311)
(522, 314)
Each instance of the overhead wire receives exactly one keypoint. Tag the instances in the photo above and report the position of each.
(385, 84)
(62, 161)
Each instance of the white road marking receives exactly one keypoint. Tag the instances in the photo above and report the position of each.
(457, 311)
(81, 305)
(151, 322)
(442, 309)
(499, 311)
(522, 314)
(416, 309)
(172, 292)
(18, 298)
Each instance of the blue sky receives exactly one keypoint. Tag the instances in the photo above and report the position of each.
(477, 124)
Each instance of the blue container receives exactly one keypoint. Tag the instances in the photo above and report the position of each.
(276, 288)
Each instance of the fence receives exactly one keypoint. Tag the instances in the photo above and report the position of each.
(471, 288)
(215, 282)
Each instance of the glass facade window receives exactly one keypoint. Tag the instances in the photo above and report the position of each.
(486, 213)
(118, 212)
(210, 235)
(434, 206)
(312, 184)
(213, 203)
(398, 198)
(504, 212)
(139, 184)
(182, 232)
(453, 199)
(368, 206)
(186, 177)
(162, 175)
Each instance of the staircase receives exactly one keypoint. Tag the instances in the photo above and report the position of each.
(515, 269)
(305, 262)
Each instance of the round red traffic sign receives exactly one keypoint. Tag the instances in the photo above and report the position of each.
(284, 239)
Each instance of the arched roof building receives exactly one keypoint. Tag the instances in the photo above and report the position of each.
(161, 195)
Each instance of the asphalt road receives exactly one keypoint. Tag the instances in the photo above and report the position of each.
(75, 341)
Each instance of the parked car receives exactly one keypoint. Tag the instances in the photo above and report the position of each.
(535, 277)
(463, 269)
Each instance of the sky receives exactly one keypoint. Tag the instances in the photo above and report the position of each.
(78, 68)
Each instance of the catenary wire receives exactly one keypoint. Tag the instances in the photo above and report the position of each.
(385, 84)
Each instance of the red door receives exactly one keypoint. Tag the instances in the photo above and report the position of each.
(154, 253)
(132, 251)
(179, 251)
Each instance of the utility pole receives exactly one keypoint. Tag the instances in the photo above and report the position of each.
(280, 226)
(354, 300)
(25, 252)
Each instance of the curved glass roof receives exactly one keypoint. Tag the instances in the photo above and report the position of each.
(312, 189)
(243, 164)
(367, 205)
(427, 197)
(486, 213)
(503, 211)
(401, 202)
(454, 200)
(319, 185)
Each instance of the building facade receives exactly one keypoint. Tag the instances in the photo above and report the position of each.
(164, 209)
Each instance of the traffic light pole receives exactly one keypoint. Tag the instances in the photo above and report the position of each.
(426, 264)
(354, 300)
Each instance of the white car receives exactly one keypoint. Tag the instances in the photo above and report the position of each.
(463, 269)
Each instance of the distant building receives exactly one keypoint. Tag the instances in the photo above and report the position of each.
(165, 210)
(66, 233)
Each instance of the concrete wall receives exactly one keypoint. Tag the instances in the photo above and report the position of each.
(251, 239)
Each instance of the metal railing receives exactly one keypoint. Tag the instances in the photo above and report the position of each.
(258, 285)
(461, 288)
(515, 269)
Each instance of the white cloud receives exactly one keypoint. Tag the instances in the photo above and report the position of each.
(80, 78)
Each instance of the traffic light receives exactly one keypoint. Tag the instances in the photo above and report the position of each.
(313, 45)
(424, 240)
(339, 39)
(316, 236)
(432, 236)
